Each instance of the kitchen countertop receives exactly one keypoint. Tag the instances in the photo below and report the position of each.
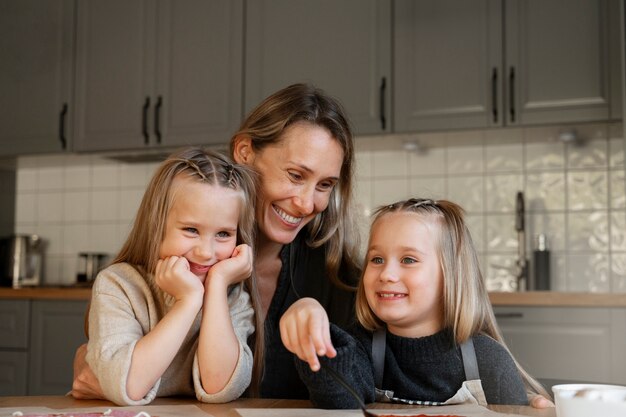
(224, 410)
(529, 298)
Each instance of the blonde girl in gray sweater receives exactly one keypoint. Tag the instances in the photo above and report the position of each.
(172, 314)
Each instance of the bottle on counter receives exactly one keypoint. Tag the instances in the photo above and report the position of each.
(541, 264)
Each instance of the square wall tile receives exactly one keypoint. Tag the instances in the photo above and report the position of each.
(504, 150)
(104, 238)
(77, 206)
(130, 200)
(588, 231)
(501, 233)
(592, 154)
(52, 270)
(363, 197)
(552, 225)
(50, 207)
(545, 191)
(104, 205)
(26, 179)
(105, 175)
(587, 190)
(69, 269)
(389, 164)
(133, 175)
(501, 192)
(387, 191)
(77, 177)
(465, 160)
(51, 179)
(430, 161)
(428, 187)
(500, 273)
(76, 238)
(52, 235)
(616, 152)
(476, 226)
(468, 192)
(544, 155)
(589, 273)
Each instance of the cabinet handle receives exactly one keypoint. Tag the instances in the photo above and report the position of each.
(157, 118)
(512, 94)
(144, 121)
(62, 126)
(509, 315)
(494, 94)
(383, 86)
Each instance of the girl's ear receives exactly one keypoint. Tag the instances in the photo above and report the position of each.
(242, 151)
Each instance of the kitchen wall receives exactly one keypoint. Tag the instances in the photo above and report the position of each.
(575, 194)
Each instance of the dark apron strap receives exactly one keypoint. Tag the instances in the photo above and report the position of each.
(469, 360)
(378, 355)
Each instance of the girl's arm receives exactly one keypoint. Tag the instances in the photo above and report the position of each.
(352, 362)
(305, 331)
(220, 348)
(154, 352)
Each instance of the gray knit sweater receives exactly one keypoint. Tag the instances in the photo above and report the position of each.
(428, 368)
(124, 307)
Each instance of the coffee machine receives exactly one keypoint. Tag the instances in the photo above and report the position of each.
(21, 261)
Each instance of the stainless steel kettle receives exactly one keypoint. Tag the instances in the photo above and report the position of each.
(21, 258)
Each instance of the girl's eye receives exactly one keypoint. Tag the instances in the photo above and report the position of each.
(408, 260)
(223, 234)
(376, 260)
(191, 230)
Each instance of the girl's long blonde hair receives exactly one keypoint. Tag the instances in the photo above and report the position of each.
(141, 248)
(335, 226)
(467, 310)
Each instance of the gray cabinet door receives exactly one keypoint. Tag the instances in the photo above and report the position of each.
(343, 47)
(13, 371)
(114, 74)
(57, 329)
(557, 61)
(554, 343)
(447, 71)
(36, 55)
(14, 321)
(199, 71)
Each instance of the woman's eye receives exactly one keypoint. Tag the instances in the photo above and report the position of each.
(295, 176)
(408, 260)
(376, 260)
(326, 186)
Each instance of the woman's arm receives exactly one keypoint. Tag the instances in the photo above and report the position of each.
(219, 347)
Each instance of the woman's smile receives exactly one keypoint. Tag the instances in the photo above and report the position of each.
(291, 220)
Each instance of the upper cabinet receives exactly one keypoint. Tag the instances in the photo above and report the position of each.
(151, 73)
(343, 47)
(481, 63)
(36, 51)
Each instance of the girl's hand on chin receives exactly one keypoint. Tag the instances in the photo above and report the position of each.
(174, 277)
(234, 269)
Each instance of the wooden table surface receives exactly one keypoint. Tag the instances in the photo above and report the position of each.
(225, 410)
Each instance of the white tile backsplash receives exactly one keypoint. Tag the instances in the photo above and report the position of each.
(574, 194)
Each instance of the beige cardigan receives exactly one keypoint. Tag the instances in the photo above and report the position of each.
(124, 308)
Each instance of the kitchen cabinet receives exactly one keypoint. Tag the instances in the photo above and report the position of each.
(14, 320)
(38, 339)
(157, 73)
(36, 51)
(567, 343)
(482, 63)
(343, 47)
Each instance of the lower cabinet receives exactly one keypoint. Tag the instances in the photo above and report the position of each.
(567, 344)
(38, 339)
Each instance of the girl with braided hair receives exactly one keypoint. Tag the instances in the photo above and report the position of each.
(172, 314)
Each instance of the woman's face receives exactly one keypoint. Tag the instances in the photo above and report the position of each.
(297, 175)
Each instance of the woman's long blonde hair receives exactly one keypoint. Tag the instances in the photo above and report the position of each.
(467, 310)
(335, 226)
(141, 248)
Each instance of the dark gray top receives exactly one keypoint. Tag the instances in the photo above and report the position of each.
(427, 369)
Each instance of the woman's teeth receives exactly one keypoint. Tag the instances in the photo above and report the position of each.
(286, 217)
